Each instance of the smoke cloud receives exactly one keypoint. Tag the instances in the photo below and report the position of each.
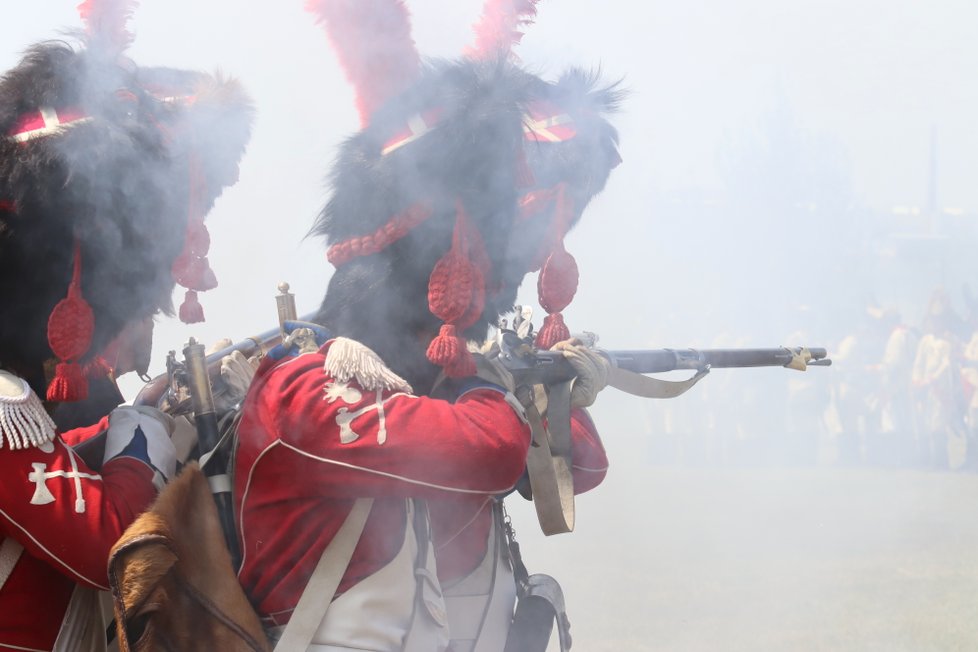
(789, 176)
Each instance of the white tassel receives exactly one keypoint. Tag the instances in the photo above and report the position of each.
(348, 360)
(23, 419)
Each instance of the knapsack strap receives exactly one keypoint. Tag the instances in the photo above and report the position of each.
(10, 552)
(325, 579)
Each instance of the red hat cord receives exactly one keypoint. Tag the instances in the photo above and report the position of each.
(395, 229)
(456, 287)
(456, 290)
(557, 283)
(480, 258)
(70, 329)
(191, 269)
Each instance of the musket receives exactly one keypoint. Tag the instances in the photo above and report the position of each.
(531, 366)
(536, 367)
(551, 484)
(214, 460)
(188, 387)
(549, 457)
(168, 389)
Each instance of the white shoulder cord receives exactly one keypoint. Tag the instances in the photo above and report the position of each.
(324, 581)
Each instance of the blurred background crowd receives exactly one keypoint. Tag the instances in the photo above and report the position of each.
(902, 393)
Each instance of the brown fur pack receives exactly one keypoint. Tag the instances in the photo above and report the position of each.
(172, 579)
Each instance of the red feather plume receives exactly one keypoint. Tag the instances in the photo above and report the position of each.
(106, 21)
(500, 27)
(372, 39)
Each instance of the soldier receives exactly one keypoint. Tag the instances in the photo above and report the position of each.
(96, 201)
(936, 379)
(892, 431)
(465, 177)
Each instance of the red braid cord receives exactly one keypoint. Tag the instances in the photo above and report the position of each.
(191, 269)
(70, 329)
(395, 229)
(558, 280)
(454, 286)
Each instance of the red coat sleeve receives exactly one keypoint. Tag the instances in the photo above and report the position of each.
(350, 441)
(66, 514)
(589, 463)
(77, 436)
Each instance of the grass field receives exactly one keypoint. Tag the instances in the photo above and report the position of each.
(760, 559)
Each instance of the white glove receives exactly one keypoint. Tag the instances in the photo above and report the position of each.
(592, 371)
(142, 433)
(236, 374)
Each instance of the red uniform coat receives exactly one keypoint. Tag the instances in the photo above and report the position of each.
(309, 444)
(66, 516)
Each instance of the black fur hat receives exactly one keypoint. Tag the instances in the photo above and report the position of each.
(90, 162)
(477, 157)
(100, 180)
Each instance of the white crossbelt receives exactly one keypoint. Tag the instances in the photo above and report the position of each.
(10, 551)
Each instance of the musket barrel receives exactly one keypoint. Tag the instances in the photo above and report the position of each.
(647, 361)
(205, 417)
(153, 391)
(661, 360)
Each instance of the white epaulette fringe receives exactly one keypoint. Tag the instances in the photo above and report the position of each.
(348, 360)
(23, 419)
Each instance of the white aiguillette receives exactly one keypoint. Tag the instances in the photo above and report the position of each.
(23, 419)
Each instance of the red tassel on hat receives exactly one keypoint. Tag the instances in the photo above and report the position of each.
(191, 269)
(198, 240)
(191, 312)
(454, 285)
(70, 329)
(194, 273)
(557, 283)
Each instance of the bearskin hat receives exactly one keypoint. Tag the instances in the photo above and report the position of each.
(96, 195)
(459, 184)
(208, 124)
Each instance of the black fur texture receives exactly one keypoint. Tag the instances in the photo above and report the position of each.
(117, 183)
(472, 155)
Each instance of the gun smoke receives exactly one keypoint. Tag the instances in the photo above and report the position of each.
(790, 177)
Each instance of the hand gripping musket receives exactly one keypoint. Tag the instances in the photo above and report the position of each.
(187, 388)
(544, 379)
